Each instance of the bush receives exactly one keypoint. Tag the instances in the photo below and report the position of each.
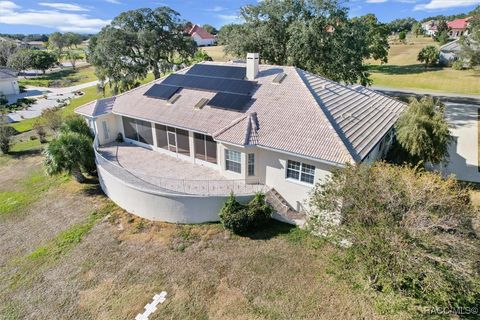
(6, 134)
(40, 130)
(458, 65)
(410, 232)
(52, 119)
(76, 124)
(242, 218)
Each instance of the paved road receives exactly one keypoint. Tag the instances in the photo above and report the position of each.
(462, 112)
(51, 100)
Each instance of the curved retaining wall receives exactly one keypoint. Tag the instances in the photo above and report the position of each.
(174, 208)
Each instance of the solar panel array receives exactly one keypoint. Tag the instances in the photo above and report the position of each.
(161, 91)
(232, 92)
(210, 83)
(238, 73)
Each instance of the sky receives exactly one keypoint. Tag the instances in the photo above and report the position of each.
(89, 16)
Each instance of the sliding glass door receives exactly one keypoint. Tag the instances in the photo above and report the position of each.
(205, 148)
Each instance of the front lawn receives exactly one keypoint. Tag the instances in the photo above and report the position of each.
(404, 71)
(63, 78)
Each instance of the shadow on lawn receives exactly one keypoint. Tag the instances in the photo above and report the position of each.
(272, 230)
(399, 70)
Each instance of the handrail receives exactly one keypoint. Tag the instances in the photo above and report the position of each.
(204, 187)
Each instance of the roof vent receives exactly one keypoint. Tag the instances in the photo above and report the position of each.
(174, 98)
(200, 104)
(279, 78)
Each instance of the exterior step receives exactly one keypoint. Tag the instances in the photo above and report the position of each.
(283, 209)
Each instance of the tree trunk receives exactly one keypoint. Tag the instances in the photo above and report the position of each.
(78, 175)
(156, 72)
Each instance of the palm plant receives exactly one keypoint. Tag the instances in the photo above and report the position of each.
(70, 153)
(76, 124)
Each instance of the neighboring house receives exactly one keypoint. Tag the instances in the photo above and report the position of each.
(40, 45)
(201, 36)
(194, 136)
(8, 82)
(449, 52)
(458, 28)
(430, 27)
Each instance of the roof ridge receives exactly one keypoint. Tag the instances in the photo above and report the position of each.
(232, 124)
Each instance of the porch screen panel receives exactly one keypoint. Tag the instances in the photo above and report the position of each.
(183, 143)
(211, 149)
(144, 129)
(161, 132)
(200, 146)
(129, 128)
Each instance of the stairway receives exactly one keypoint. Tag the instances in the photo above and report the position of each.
(283, 209)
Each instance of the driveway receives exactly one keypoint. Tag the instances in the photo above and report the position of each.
(54, 97)
(463, 162)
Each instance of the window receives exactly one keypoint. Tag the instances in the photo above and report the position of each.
(251, 164)
(300, 171)
(173, 139)
(138, 130)
(205, 148)
(233, 161)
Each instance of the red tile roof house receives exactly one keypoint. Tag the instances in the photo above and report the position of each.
(196, 135)
(458, 27)
(201, 36)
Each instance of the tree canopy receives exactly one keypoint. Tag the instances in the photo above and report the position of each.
(139, 41)
(313, 35)
(423, 132)
(428, 55)
(407, 232)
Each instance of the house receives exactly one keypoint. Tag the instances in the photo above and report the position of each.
(196, 135)
(449, 52)
(201, 36)
(38, 45)
(430, 27)
(8, 82)
(458, 27)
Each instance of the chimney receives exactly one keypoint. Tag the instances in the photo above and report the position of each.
(252, 65)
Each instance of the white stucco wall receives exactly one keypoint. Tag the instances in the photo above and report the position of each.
(203, 42)
(9, 86)
(112, 127)
(162, 207)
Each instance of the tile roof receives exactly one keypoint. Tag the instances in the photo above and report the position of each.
(202, 33)
(97, 108)
(6, 73)
(458, 23)
(305, 115)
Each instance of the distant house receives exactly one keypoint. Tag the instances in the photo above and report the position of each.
(430, 27)
(458, 27)
(8, 82)
(40, 45)
(201, 36)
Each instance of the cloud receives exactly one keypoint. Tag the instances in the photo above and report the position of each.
(63, 6)
(445, 4)
(10, 13)
(216, 9)
(375, 1)
(113, 1)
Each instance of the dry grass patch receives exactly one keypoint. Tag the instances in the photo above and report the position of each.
(217, 53)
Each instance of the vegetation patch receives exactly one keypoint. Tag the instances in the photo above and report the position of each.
(30, 189)
(63, 78)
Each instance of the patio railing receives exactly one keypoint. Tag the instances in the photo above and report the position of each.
(158, 184)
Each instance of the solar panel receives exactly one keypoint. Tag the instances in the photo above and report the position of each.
(230, 72)
(229, 101)
(210, 83)
(161, 91)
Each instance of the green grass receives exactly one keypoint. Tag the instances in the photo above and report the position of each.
(63, 78)
(404, 71)
(30, 189)
(63, 242)
(27, 145)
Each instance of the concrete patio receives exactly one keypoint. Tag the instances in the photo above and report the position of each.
(152, 170)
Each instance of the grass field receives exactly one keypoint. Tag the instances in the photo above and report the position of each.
(217, 54)
(404, 71)
(63, 78)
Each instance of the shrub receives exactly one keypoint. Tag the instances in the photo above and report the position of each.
(52, 119)
(242, 218)
(6, 134)
(76, 124)
(410, 231)
(40, 130)
(458, 65)
(402, 36)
